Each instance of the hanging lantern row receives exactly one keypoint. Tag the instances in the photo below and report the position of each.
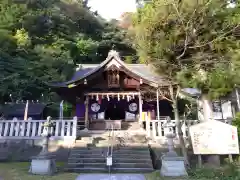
(119, 96)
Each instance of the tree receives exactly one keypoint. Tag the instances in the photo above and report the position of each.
(194, 44)
(42, 40)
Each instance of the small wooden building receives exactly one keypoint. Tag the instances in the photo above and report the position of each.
(114, 90)
(36, 111)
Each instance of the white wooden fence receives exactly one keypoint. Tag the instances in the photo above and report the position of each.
(33, 129)
(155, 128)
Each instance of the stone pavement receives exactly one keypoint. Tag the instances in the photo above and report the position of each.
(111, 177)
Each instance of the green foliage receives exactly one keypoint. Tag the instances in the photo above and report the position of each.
(22, 38)
(229, 172)
(194, 43)
(236, 122)
(217, 82)
(42, 40)
(67, 110)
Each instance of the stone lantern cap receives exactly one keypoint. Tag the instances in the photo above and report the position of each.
(169, 124)
(168, 129)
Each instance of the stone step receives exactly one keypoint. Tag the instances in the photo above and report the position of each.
(87, 164)
(104, 147)
(132, 165)
(131, 151)
(132, 170)
(90, 145)
(115, 142)
(115, 165)
(80, 156)
(97, 151)
(87, 169)
(89, 148)
(104, 151)
(131, 147)
(103, 160)
(132, 156)
(92, 160)
(127, 160)
(90, 138)
(105, 170)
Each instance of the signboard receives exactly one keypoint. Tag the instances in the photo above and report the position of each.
(217, 110)
(214, 137)
(227, 110)
(109, 161)
(222, 109)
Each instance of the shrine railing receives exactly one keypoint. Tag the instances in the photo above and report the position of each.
(155, 128)
(33, 129)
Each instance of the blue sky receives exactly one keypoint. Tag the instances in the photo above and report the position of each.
(112, 9)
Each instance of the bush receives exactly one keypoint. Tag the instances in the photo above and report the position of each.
(229, 172)
(236, 122)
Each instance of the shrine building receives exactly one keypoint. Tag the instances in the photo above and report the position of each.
(114, 90)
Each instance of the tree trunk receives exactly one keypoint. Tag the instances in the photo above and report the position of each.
(212, 160)
(238, 100)
(179, 128)
(206, 107)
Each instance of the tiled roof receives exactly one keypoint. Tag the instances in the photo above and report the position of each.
(17, 110)
(142, 70)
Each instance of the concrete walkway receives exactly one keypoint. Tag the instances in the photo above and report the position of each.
(111, 177)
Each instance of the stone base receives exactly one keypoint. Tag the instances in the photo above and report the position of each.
(85, 130)
(173, 166)
(115, 124)
(43, 166)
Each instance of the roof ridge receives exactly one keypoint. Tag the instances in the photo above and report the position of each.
(123, 61)
(136, 64)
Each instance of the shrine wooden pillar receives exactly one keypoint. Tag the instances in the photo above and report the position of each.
(158, 114)
(140, 108)
(86, 112)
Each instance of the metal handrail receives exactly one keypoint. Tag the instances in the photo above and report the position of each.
(110, 140)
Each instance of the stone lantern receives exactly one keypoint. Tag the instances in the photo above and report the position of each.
(172, 164)
(44, 163)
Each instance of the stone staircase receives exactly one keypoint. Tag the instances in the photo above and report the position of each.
(132, 159)
(130, 153)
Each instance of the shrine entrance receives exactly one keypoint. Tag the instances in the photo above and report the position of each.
(114, 111)
(111, 107)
